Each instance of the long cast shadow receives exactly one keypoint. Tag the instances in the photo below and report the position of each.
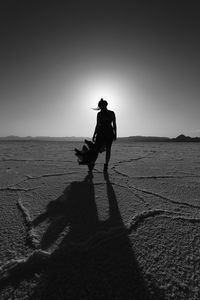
(95, 259)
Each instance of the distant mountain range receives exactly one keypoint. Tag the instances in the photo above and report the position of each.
(180, 138)
(41, 138)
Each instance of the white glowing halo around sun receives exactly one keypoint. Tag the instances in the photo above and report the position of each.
(109, 90)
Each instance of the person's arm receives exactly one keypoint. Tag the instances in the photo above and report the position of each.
(114, 126)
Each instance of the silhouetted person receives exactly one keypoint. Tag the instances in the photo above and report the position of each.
(104, 134)
(105, 130)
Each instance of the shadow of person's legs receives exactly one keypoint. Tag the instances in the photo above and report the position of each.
(126, 280)
(115, 217)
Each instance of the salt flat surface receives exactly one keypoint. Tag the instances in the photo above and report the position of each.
(131, 234)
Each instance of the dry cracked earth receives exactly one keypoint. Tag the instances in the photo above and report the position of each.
(133, 233)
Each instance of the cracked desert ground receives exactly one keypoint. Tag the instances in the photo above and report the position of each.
(133, 233)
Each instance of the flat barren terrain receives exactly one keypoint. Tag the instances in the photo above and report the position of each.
(133, 233)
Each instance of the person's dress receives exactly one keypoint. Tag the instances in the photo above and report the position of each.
(104, 138)
(105, 134)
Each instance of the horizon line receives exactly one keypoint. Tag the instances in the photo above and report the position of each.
(86, 137)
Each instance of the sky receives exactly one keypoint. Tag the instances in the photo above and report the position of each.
(58, 58)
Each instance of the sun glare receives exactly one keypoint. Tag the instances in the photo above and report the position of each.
(104, 88)
(114, 87)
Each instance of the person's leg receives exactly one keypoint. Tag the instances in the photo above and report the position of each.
(108, 154)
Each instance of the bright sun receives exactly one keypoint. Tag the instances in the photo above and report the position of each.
(104, 88)
(88, 88)
(114, 87)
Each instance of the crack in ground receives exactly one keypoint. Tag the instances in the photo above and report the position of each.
(32, 240)
(131, 159)
(135, 159)
(153, 176)
(156, 194)
(164, 176)
(137, 219)
(16, 189)
(164, 198)
(34, 160)
(29, 177)
(131, 187)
